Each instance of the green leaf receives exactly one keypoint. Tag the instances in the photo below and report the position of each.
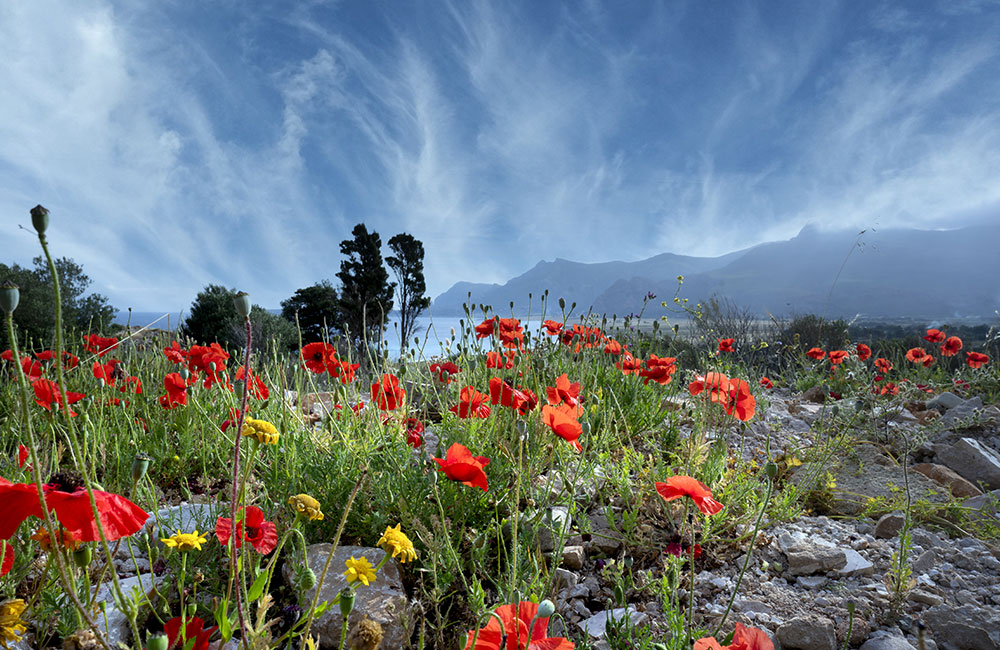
(257, 588)
(222, 620)
(320, 608)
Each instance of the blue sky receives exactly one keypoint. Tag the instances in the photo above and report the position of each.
(182, 143)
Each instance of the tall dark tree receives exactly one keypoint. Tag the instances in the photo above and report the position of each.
(316, 307)
(213, 319)
(365, 291)
(34, 315)
(407, 263)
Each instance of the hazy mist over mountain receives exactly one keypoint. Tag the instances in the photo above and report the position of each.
(893, 273)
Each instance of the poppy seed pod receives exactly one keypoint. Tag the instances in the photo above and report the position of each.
(10, 295)
(157, 641)
(771, 469)
(307, 579)
(82, 557)
(242, 303)
(546, 608)
(140, 465)
(40, 219)
(346, 602)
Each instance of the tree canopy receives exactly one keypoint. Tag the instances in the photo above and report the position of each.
(317, 307)
(365, 293)
(35, 315)
(213, 318)
(407, 263)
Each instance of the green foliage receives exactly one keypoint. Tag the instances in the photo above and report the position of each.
(34, 316)
(407, 263)
(365, 293)
(813, 331)
(213, 318)
(316, 308)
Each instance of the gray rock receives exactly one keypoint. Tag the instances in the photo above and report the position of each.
(555, 524)
(984, 501)
(948, 477)
(113, 622)
(944, 401)
(925, 597)
(973, 461)
(882, 640)
(811, 582)
(746, 605)
(856, 565)
(384, 601)
(809, 632)
(573, 557)
(806, 559)
(185, 517)
(596, 625)
(889, 525)
(565, 579)
(964, 628)
(925, 561)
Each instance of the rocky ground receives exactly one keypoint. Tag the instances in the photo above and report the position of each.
(802, 577)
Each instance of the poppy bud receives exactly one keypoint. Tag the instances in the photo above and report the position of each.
(346, 602)
(585, 428)
(619, 594)
(562, 303)
(771, 469)
(242, 303)
(521, 427)
(40, 219)
(82, 557)
(156, 641)
(140, 465)
(10, 295)
(212, 367)
(100, 382)
(185, 373)
(472, 365)
(546, 608)
(307, 579)
(192, 609)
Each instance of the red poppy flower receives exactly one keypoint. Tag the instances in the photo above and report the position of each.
(927, 360)
(976, 359)
(445, 371)
(563, 391)
(387, 393)
(22, 456)
(175, 353)
(262, 535)
(863, 351)
(679, 548)
(951, 346)
(314, 356)
(916, 355)
(119, 516)
(629, 365)
(47, 393)
(176, 391)
(889, 388)
(46, 355)
(716, 383)
(741, 404)
(726, 345)
(485, 329)
(510, 332)
(744, 638)
(685, 486)
(7, 553)
(766, 383)
(658, 369)
(815, 353)
(32, 369)
(502, 393)
(552, 328)
(837, 356)
(517, 620)
(195, 631)
(934, 336)
(460, 465)
(883, 365)
(210, 360)
(255, 384)
(471, 404)
(562, 419)
(131, 385)
(70, 361)
(613, 347)
(414, 429)
(497, 360)
(99, 344)
(109, 371)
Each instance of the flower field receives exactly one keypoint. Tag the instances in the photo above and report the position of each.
(493, 484)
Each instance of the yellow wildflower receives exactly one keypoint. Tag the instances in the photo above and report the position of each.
(359, 571)
(261, 430)
(306, 506)
(67, 540)
(395, 542)
(185, 541)
(11, 625)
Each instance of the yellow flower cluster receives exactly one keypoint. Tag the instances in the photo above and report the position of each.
(261, 430)
(11, 625)
(395, 542)
(359, 571)
(185, 541)
(306, 506)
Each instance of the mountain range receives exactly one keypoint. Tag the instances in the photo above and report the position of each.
(897, 273)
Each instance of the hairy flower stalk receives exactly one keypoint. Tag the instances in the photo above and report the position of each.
(234, 551)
